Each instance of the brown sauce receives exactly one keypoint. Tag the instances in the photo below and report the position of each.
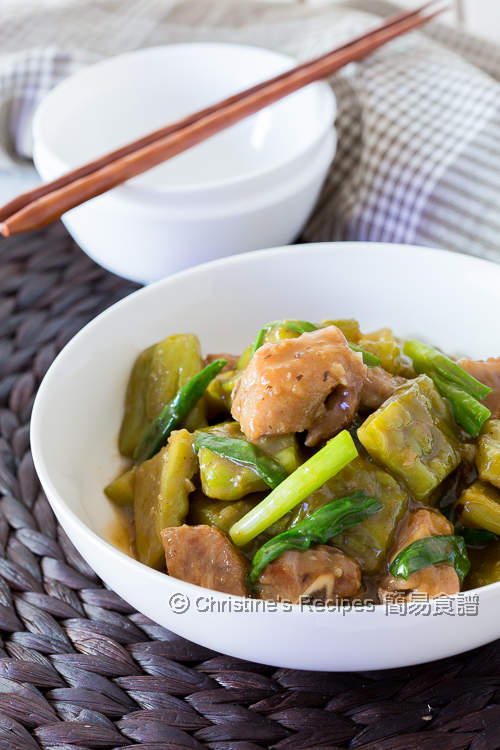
(485, 566)
(120, 531)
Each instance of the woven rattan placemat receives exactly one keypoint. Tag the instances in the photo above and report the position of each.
(80, 669)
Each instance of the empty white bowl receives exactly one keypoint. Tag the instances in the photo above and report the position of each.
(79, 407)
(250, 186)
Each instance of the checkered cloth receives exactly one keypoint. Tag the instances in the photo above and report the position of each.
(419, 120)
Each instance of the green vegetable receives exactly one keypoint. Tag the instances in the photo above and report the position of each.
(385, 345)
(121, 490)
(468, 411)
(461, 389)
(488, 453)
(297, 326)
(485, 566)
(475, 537)
(427, 358)
(218, 396)
(156, 376)
(224, 479)
(369, 541)
(245, 358)
(337, 453)
(330, 520)
(135, 417)
(203, 510)
(348, 326)
(176, 359)
(479, 506)
(174, 412)
(429, 551)
(243, 453)
(162, 486)
(413, 435)
(350, 329)
(369, 359)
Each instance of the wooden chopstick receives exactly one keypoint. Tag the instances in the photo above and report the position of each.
(44, 204)
(28, 197)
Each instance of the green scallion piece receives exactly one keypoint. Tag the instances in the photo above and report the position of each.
(328, 461)
(156, 433)
(432, 550)
(332, 519)
(244, 453)
(368, 358)
(299, 326)
(461, 389)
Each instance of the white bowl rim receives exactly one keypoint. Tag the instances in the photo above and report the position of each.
(140, 191)
(36, 438)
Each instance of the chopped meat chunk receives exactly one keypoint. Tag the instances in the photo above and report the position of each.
(321, 573)
(232, 360)
(203, 555)
(435, 580)
(379, 385)
(312, 383)
(487, 371)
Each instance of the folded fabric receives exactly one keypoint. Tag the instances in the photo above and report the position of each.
(419, 120)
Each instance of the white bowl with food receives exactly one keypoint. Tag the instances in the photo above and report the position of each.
(250, 186)
(318, 603)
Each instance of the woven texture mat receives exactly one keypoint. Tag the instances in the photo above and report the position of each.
(80, 669)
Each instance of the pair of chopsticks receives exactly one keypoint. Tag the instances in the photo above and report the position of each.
(44, 204)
